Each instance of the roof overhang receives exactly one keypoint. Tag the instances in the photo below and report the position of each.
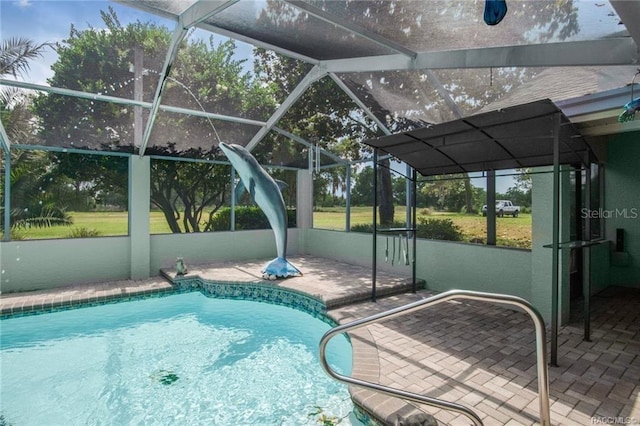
(515, 137)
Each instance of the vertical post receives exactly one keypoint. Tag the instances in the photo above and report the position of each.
(138, 72)
(414, 225)
(232, 212)
(304, 200)
(7, 195)
(139, 234)
(348, 199)
(491, 208)
(586, 259)
(407, 189)
(375, 225)
(556, 241)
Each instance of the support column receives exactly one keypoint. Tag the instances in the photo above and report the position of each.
(7, 195)
(491, 208)
(304, 200)
(139, 211)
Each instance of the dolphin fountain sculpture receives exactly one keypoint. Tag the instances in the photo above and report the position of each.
(266, 194)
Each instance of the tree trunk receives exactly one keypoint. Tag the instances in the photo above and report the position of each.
(385, 188)
(468, 194)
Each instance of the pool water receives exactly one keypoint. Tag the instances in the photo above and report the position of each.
(183, 359)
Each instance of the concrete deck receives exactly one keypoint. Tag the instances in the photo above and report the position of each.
(476, 354)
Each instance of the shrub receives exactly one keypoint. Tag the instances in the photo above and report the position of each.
(439, 229)
(368, 227)
(247, 217)
(83, 232)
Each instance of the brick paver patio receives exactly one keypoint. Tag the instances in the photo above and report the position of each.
(476, 354)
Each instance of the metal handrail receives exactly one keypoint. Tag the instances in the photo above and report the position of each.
(541, 350)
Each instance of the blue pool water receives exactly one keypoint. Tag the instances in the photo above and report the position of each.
(183, 359)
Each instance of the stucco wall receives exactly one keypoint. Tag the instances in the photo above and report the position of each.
(622, 204)
(42, 264)
(216, 246)
(443, 265)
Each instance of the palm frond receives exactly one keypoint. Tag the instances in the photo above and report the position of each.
(15, 54)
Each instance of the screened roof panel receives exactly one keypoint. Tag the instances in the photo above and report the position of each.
(402, 99)
(521, 136)
(198, 82)
(437, 25)
(289, 28)
(77, 123)
(278, 149)
(192, 136)
(393, 94)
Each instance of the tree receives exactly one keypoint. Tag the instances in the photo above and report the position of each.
(205, 75)
(32, 205)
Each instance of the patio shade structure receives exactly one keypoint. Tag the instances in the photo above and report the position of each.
(516, 137)
(529, 135)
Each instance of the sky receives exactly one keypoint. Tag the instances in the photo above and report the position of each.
(49, 21)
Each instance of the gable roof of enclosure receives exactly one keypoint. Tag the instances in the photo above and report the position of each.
(426, 46)
(515, 137)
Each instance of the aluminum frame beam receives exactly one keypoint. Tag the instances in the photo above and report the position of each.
(4, 138)
(361, 104)
(444, 94)
(312, 76)
(129, 102)
(611, 51)
(202, 10)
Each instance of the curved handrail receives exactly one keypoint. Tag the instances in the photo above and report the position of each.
(541, 350)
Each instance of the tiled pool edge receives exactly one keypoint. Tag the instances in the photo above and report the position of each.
(68, 303)
(262, 291)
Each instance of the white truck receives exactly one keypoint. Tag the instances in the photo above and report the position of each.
(503, 207)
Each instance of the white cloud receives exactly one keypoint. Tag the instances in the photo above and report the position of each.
(24, 3)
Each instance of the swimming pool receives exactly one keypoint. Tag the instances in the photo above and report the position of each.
(180, 359)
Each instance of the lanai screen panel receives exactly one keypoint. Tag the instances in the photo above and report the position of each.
(62, 121)
(517, 137)
(400, 99)
(191, 136)
(198, 82)
(437, 25)
(288, 27)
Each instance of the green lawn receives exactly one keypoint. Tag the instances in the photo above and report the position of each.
(514, 232)
(106, 223)
(510, 231)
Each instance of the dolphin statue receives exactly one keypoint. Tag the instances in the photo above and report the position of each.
(266, 194)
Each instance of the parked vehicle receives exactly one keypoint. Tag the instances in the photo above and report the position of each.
(503, 207)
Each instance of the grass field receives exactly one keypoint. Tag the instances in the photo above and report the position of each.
(513, 232)
(510, 231)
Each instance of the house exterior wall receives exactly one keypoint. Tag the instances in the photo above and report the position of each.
(622, 207)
